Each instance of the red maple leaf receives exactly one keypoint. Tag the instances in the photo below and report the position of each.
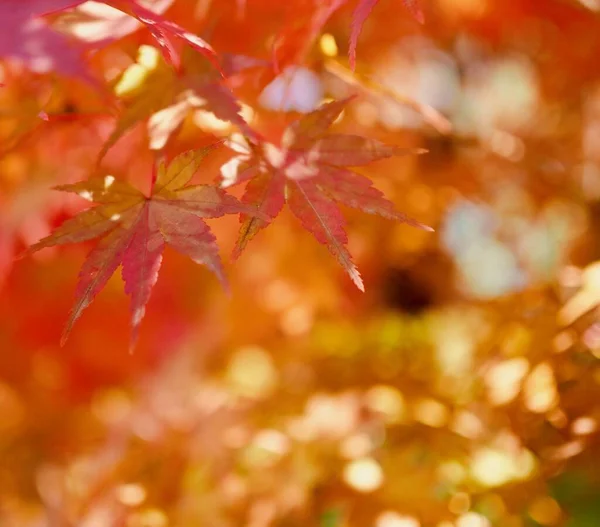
(307, 171)
(100, 24)
(135, 229)
(164, 31)
(26, 36)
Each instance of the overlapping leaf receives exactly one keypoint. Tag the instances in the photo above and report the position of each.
(164, 31)
(308, 172)
(165, 98)
(135, 229)
(99, 23)
(28, 38)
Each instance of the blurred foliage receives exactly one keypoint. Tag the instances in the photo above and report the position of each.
(461, 390)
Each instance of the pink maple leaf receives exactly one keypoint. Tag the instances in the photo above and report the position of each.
(135, 229)
(308, 172)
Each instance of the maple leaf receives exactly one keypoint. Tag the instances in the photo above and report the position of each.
(164, 31)
(165, 98)
(308, 172)
(135, 229)
(362, 11)
(26, 36)
(99, 23)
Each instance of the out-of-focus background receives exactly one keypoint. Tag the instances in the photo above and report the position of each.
(461, 390)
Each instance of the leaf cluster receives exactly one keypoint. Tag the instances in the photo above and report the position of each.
(306, 167)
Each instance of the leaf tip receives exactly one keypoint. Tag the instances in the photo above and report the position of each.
(352, 61)
(360, 285)
(133, 339)
(69, 326)
(23, 254)
(237, 251)
(64, 337)
(356, 278)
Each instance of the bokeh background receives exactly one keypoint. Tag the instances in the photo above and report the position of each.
(461, 390)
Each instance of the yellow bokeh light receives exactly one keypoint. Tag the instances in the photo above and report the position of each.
(568, 450)
(131, 494)
(563, 341)
(584, 426)
(388, 401)
(252, 373)
(148, 518)
(328, 45)
(472, 519)
(431, 413)
(540, 392)
(363, 475)
(394, 519)
(504, 380)
(467, 424)
(492, 467)
(585, 299)
(272, 441)
(134, 76)
(148, 57)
